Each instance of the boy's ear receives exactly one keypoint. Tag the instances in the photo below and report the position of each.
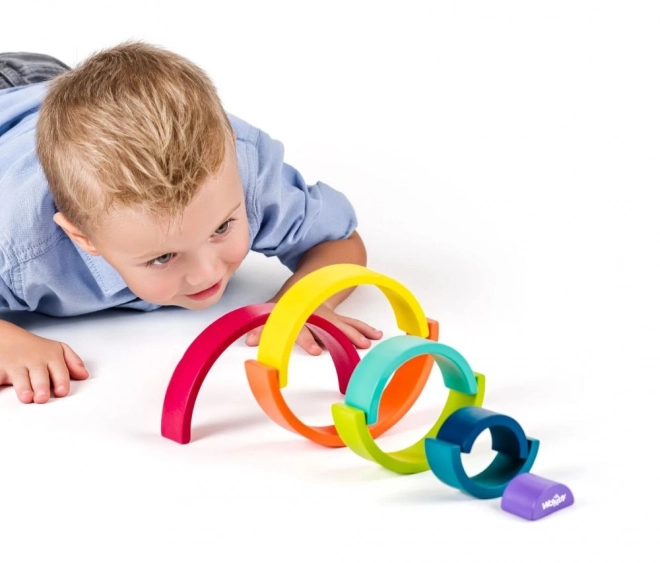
(75, 235)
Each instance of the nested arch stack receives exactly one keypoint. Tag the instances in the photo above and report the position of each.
(374, 399)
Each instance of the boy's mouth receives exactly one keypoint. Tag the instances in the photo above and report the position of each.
(206, 293)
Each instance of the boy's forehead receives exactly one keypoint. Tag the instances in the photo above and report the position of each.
(142, 232)
(134, 227)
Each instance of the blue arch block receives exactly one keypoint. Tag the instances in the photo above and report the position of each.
(515, 452)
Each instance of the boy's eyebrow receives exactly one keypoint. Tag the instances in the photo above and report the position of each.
(158, 253)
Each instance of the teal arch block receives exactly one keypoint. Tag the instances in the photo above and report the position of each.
(372, 374)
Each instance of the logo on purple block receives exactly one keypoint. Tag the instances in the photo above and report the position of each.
(554, 501)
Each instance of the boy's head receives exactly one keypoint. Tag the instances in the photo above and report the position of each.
(140, 158)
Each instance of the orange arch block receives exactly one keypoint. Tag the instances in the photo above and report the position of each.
(398, 397)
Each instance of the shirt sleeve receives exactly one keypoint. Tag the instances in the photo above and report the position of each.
(6, 295)
(4, 290)
(293, 216)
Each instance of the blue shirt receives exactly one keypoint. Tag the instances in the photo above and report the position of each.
(42, 270)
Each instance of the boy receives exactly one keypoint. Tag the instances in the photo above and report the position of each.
(123, 183)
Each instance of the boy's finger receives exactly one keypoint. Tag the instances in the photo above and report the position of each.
(354, 335)
(59, 375)
(363, 328)
(253, 337)
(40, 381)
(74, 363)
(308, 343)
(316, 335)
(20, 379)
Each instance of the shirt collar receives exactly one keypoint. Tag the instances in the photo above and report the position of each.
(105, 275)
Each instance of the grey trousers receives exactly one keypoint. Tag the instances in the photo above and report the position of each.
(19, 69)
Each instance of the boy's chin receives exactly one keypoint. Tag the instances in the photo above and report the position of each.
(197, 306)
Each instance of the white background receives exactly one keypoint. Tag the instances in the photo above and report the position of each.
(503, 161)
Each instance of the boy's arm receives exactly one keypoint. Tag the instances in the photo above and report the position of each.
(345, 251)
(307, 226)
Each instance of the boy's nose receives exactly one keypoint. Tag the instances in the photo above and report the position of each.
(205, 271)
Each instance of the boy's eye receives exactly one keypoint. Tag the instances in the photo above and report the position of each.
(222, 229)
(164, 259)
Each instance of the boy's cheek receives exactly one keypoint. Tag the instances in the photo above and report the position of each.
(153, 292)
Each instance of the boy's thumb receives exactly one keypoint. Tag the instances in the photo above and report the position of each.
(74, 363)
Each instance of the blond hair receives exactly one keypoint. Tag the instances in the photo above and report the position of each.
(131, 126)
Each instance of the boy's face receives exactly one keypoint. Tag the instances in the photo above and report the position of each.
(189, 263)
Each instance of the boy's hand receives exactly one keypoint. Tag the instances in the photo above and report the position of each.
(31, 363)
(359, 333)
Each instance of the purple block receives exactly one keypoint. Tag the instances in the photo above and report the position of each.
(532, 497)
